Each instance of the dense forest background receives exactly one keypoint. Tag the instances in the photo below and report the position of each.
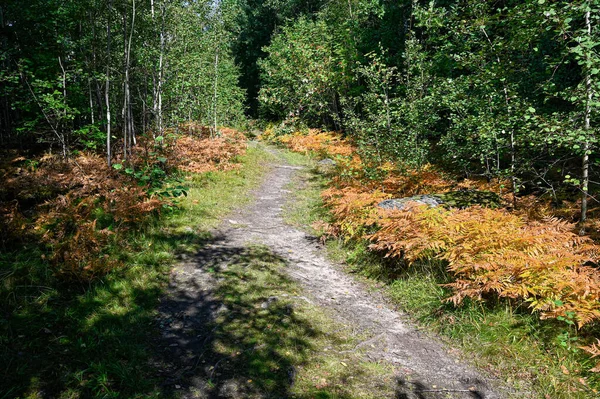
(97, 74)
(504, 89)
(497, 88)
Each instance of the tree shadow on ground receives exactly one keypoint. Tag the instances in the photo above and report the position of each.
(73, 346)
(230, 329)
(232, 326)
(416, 389)
(83, 340)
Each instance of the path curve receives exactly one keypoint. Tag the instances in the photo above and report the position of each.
(426, 367)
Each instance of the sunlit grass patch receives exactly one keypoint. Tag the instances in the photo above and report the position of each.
(212, 195)
(307, 206)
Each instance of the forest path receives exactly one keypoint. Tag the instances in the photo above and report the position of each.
(193, 314)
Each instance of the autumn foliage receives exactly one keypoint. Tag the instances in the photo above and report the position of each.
(77, 208)
(198, 152)
(493, 252)
(522, 255)
(323, 143)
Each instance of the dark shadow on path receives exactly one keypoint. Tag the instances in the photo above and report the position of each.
(87, 341)
(417, 389)
(224, 334)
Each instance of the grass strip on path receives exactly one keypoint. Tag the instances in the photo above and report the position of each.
(269, 341)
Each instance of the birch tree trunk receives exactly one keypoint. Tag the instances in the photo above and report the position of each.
(128, 131)
(159, 115)
(107, 91)
(587, 115)
(58, 125)
(215, 98)
(157, 79)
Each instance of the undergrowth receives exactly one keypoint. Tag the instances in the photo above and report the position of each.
(92, 336)
(473, 274)
(78, 207)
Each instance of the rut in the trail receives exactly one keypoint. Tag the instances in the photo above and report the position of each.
(425, 367)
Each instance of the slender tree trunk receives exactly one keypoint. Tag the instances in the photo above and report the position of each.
(513, 163)
(388, 118)
(215, 90)
(513, 143)
(183, 89)
(124, 113)
(131, 122)
(144, 97)
(129, 102)
(107, 91)
(337, 120)
(93, 68)
(91, 100)
(4, 121)
(157, 77)
(64, 87)
(160, 70)
(586, 148)
(128, 133)
(99, 101)
(64, 79)
(154, 102)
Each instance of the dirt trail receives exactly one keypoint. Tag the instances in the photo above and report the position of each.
(425, 367)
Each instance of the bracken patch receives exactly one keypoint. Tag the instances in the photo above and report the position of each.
(77, 208)
(526, 254)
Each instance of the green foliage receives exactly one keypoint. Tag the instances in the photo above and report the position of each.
(165, 62)
(91, 137)
(255, 24)
(480, 88)
(385, 125)
(200, 58)
(466, 198)
(298, 77)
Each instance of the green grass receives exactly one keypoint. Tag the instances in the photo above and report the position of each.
(213, 195)
(510, 342)
(504, 339)
(96, 340)
(295, 158)
(307, 206)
